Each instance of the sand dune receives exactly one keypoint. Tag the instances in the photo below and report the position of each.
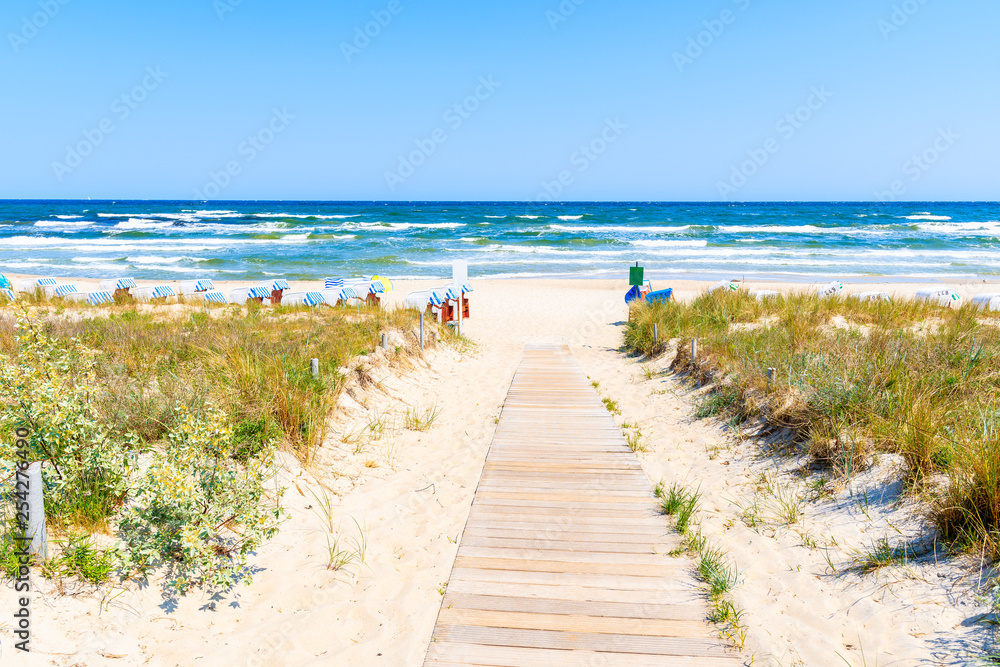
(410, 492)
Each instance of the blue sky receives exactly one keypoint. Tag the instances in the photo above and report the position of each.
(593, 101)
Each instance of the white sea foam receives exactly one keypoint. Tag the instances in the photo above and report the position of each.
(496, 217)
(305, 217)
(670, 244)
(68, 217)
(570, 217)
(619, 228)
(156, 259)
(926, 216)
(529, 217)
(989, 228)
(63, 224)
(403, 226)
(135, 224)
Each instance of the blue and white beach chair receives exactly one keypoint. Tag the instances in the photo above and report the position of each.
(311, 299)
(34, 285)
(275, 289)
(189, 287)
(120, 288)
(59, 291)
(99, 298)
(149, 294)
(341, 296)
(242, 295)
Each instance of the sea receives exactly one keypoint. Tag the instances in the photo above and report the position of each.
(250, 240)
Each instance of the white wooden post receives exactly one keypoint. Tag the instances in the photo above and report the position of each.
(421, 331)
(460, 276)
(314, 367)
(694, 351)
(36, 532)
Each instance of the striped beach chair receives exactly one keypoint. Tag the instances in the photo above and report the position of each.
(120, 288)
(208, 297)
(4, 283)
(342, 296)
(8, 293)
(762, 294)
(34, 285)
(311, 299)
(333, 283)
(153, 293)
(59, 291)
(189, 287)
(99, 298)
(465, 289)
(243, 295)
(276, 288)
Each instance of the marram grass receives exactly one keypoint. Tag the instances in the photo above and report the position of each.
(851, 380)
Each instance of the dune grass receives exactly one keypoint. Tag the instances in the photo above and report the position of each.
(255, 363)
(160, 426)
(851, 380)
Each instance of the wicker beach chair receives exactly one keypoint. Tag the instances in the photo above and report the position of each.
(209, 297)
(243, 295)
(153, 293)
(871, 296)
(724, 285)
(120, 288)
(311, 299)
(941, 296)
(830, 289)
(987, 302)
(98, 298)
(465, 289)
(276, 289)
(189, 287)
(341, 296)
(35, 285)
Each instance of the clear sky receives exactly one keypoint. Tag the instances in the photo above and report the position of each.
(619, 100)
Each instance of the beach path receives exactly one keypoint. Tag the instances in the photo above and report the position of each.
(564, 556)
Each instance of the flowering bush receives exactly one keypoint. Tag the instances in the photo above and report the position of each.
(50, 390)
(196, 510)
(190, 506)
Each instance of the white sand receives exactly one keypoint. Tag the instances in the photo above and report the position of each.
(414, 505)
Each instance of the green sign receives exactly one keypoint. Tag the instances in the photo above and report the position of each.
(635, 275)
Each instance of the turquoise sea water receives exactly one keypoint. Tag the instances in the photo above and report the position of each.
(312, 240)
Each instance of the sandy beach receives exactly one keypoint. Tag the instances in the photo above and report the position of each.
(409, 494)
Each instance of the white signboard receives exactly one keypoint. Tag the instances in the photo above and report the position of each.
(460, 271)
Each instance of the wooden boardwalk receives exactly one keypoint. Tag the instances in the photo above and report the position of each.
(563, 557)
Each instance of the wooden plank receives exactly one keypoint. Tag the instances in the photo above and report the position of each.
(623, 567)
(667, 612)
(449, 653)
(562, 559)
